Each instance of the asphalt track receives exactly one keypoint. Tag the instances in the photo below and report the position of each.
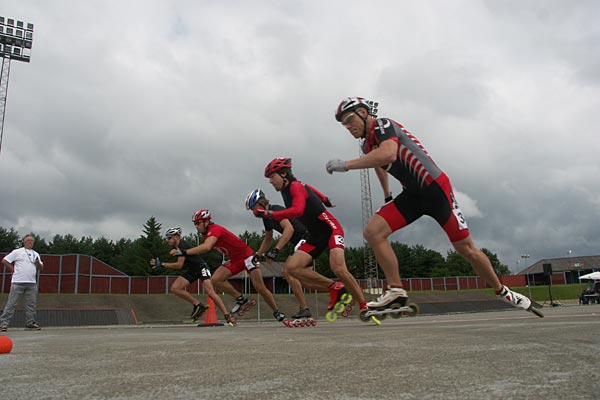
(493, 355)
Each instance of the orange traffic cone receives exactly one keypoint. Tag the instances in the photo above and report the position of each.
(210, 318)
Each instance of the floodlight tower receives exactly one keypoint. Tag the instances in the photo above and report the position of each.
(16, 40)
(370, 263)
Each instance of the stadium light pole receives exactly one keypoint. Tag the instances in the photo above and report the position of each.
(16, 40)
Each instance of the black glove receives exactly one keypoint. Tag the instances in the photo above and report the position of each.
(272, 255)
(389, 198)
(157, 263)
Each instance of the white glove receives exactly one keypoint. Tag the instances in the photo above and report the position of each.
(336, 165)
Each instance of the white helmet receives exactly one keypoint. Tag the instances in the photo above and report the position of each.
(354, 103)
(173, 231)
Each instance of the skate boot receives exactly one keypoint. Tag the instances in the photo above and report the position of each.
(339, 300)
(391, 295)
(242, 305)
(518, 300)
(198, 311)
(337, 290)
(392, 301)
(230, 320)
(302, 318)
(239, 303)
(279, 316)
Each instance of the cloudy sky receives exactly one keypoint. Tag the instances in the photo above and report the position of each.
(132, 109)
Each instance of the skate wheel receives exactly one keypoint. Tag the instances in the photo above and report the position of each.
(415, 310)
(349, 306)
(381, 317)
(252, 302)
(346, 298)
(331, 316)
(375, 320)
(345, 313)
(313, 322)
(241, 313)
(363, 316)
(396, 314)
(339, 308)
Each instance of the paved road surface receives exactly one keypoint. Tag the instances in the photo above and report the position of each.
(495, 355)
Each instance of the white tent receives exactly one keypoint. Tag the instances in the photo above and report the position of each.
(593, 275)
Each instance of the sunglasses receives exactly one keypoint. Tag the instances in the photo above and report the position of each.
(348, 119)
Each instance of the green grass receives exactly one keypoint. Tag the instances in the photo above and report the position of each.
(559, 292)
(540, 293)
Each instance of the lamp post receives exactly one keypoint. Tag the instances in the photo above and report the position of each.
(16, 40)
(525, 257)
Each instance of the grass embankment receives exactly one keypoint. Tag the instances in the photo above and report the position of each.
(541, 293)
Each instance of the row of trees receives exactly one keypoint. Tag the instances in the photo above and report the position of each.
(131, 256)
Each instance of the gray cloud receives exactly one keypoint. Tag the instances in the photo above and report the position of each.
(129, 112)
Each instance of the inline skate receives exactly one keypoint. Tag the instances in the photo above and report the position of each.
(301, 319)
(242, 305)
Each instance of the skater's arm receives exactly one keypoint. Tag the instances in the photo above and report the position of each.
(175, 265)
(205, 247)
(266, 243)
(324, 199)
(299, 196)
(384, 180)
(286, 235)
(386, 153)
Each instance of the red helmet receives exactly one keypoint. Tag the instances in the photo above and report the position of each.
(201, 215)
(277, 165)
(352, 104)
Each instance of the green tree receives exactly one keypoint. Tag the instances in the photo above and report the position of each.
(424, 262)
(67, 244)
(499, 268)
(9, 240)
(456, 265)
(104, 249)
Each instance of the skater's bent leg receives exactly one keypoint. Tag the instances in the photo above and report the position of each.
(296, 289)
(337, 262)
(297, 266)
(210, 292)
(178, 289)
(376, 233)
(259, 285)
(479, 262)
(219, 279)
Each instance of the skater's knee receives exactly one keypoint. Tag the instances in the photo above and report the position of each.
(176, 289)
(374, 236)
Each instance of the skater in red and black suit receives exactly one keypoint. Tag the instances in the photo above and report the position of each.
(241, 257)
(194, 268)
(292, 232)
(307, 204)
(426, 190)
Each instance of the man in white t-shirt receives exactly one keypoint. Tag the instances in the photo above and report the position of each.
(24, 264)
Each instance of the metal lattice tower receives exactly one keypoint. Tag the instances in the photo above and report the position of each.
(16, 40)
(370, 264)
(4, 75)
